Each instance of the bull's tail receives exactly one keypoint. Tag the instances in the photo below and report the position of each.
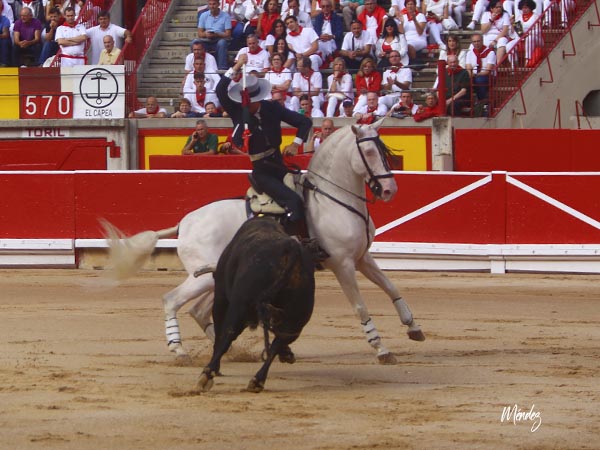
(209, 268)
(128, 255)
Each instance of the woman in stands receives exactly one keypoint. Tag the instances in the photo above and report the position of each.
(392, 38)
(454, 48)
(267, 19)
(533, 40)
(414, 24)
(277, 31)
(495, 27)
(367, 80)
(340, 87)
(282, 48)
(279, 76)
(437, 12)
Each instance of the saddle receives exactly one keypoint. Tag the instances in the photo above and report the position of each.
(261, 203)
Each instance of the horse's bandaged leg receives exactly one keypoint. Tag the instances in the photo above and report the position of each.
(371, 332)
(173, 334)
(405, 315)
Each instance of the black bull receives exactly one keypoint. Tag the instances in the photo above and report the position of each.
(263, 276)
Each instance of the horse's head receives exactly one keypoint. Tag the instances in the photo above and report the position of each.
(371, 161)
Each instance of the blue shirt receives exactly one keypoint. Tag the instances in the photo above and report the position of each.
(216, 24)
(4, 23)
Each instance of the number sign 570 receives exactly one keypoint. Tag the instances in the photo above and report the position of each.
(47, 106)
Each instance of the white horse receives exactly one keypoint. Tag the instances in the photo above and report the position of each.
(337, 216)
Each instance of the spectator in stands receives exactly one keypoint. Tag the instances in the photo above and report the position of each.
(533, 42)
(109, 55)
(201, 95)
(454, 48)
(306, 107)
(414, 24)
(7, 12)
(152, 110)
(282, 99)
(330, 29)
(27, 34)
(185, 110)
(372, 18)
(50, 47)
(303, 42)
(267, 19)
(279, 76)
(482, 5)
(5, 40)
(438, 20)
(340, 86)
(347, 109)
(367, 80)
(481, 62)
(395, 80)
(458, 87)
(298, 9)
(391, 38)
(201, 142)
(77, 6)
(351, 9)
(256, 58)
(317, 138)
(211, 110)
(405, 107)
(277, 31)
(198, 51)
(71, 37)
(370, 111)
(429, 110)
(495, 27)
(357, 46)
(457, 8)
(36, 7)
(236, 10)
(50, 4)
(105, 28)
(306, 81)
(214, 30)
(289, 58)
(212, 79)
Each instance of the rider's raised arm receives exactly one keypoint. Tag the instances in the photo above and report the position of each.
(299, 121)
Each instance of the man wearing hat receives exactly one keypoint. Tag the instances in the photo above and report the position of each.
(264, 124)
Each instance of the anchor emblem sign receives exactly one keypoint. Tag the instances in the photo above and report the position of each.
(99, 88)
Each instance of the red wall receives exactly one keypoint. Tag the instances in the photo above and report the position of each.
(53, 154)
(484, 208)
(526, 150)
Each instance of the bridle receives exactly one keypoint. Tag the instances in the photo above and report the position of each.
(372, 182)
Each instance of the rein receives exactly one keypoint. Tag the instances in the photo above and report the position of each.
(372, 182)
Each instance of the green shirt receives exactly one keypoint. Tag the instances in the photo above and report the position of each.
(203, 147)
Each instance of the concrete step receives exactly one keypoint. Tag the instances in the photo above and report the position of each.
(179, 36)
(166, 70)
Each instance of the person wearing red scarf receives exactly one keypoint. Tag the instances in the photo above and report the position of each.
(481, 63)
(395, 80)
(458, 87)
(152, 110)
(256, 58)
(71, 37)
(267, 18)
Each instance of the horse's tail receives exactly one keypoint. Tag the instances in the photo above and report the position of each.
(127, 255)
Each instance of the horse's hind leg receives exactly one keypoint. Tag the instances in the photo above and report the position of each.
(201, 311)
(345, 274)
(369, 268)
(174, 300)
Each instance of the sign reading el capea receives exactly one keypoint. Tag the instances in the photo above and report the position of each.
(98, 91)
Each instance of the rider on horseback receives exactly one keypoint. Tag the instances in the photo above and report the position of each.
(263, 119)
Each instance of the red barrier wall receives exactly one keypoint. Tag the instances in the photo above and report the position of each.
(217, 162)
(478, 208)
(526, 150)
(53, 154)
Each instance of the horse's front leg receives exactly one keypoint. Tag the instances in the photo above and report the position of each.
(173, 301)
(369, 268)
(346, 276)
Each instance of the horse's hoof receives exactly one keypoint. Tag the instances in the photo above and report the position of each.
(387, 359)
(416, 335)
(287, 356)
(255, 386)
(183, 360)
(205, 383)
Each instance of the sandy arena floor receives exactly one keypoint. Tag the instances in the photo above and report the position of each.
(86, 367)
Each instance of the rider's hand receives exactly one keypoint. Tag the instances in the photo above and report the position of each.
(291, 149)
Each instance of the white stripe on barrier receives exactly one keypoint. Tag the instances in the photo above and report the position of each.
(431, 206)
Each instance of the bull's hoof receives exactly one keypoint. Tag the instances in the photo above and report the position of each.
(255, 386)
(387, 359)
(183, 360)
(287, 356)
(416, 335)
(205, 383)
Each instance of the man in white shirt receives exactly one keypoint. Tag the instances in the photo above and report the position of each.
(298, 8)
(395, 79)
(371, 111)
(71, 37)
(211, 79)
(152, 110)
(201, 96)
(306, 82)
(105, 28)
(198, 51)
(303, 42)
(357, 45)
(257, 59)
(405, 107)
(481, 63)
